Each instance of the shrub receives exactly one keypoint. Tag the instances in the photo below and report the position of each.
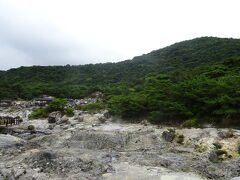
(57, 104)
(172, 130)
(92, 107)
(217, 145)
(38, 113)
(127, 106)
(190, 123)
(180, 139)
(220, 152)
(69, 111)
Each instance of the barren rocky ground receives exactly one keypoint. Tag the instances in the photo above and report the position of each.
(94, 146)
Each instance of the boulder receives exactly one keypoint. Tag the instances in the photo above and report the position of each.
(106, 114)
(225, 134)
(3, 130)
(168, 136)
(213, 157)
(51, 120)
(54, 117)
(81, 119)
(63, 120)
(102, 119)
(222, 134)
(51, 127)
(31, 127)
(229, 134)
(12, 174)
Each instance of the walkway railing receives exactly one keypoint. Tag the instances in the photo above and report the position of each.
(9, 121)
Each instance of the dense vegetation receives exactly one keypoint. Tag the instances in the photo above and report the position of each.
(207, 93)
(192, 80)
(92, 107)
(57, 104)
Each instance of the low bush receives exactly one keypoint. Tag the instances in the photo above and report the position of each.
(180, 139)
(220, 152)
(217, 145)
(69, 111)
(57, 104)
(190, 123)
(38, 113)
(92, 107)
(172, 130)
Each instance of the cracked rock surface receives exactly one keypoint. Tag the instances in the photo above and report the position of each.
(85, 147)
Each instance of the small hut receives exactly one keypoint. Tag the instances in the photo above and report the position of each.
(42, 101)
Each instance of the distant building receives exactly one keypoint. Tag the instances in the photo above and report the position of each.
(46, 99)
(42, 101)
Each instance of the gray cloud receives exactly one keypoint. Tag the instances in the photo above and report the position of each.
(43, 32)
(22, 43)
(31, 41)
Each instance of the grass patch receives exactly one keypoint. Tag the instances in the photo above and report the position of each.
(189, 123)
(69, 111)
(92, 107)
(38, 113)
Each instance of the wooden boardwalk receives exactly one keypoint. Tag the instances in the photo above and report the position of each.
(9, 121)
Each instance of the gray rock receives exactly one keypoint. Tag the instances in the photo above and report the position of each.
(97, 141)
(222, 134)
(7, 174)
(145, 122)
(61, 163)
(106, 114)
(168, 136)
(51, 127)
(4, 130)
(54, 117)
(8, 141)
(80, 119)
(236, 178)
(213, 157)
(80, 151)
(102, 119)
(31, 127)
(63, 120)
(51, 120)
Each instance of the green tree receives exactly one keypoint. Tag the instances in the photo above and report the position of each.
(57, 104)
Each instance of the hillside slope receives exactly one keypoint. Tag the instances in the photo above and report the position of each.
(77, 81)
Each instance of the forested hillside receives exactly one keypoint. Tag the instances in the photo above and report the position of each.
(195, 79)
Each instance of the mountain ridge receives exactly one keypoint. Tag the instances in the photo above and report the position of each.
(181, 56)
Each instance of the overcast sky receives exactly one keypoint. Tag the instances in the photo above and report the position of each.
(60, 32)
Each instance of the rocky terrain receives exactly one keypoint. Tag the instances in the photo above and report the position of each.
(97, 146)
